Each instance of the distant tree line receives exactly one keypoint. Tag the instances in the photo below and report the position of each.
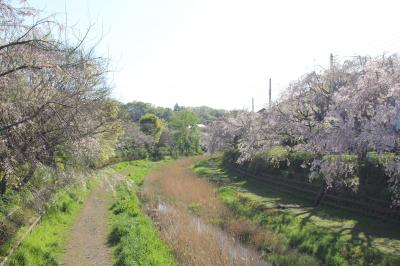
(157, 132)
(205, 114)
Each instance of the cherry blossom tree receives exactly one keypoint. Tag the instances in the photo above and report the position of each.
(339, 115)
(364, 113)
(239, 129)
(52, 93)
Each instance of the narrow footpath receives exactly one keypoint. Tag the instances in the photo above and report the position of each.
(87, 244)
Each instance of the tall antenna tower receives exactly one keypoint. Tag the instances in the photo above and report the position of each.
(252, 105)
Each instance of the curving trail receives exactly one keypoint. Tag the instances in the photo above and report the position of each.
(87, 244)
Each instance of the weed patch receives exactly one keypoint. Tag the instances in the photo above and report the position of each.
(133, 235)
(46, 243)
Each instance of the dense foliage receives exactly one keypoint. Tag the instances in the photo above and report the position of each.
(186, 133)
(138, 109)
(157, 135)
(206, 114)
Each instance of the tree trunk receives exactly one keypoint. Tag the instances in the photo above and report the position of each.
(362, 159)
(3, 185)
(28, 176)
(236, 142)
(321, 195)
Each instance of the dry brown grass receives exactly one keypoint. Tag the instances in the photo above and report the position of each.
(172, 194)
(178, 185)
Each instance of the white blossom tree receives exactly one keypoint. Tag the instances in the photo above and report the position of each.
(351, 109)
(52, 93)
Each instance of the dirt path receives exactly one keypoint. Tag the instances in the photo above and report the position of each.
(88, 238)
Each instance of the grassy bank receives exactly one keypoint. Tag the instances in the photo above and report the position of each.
(46, 243)
(333, 236)
(133, 236)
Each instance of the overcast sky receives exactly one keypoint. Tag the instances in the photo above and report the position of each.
(221, 53)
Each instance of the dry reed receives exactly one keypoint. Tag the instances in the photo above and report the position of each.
(185, 207)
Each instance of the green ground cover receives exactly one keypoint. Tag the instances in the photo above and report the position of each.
(46, 243)
(133, 236)
(335, 237)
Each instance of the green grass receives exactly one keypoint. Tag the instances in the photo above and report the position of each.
(276, 152)
(335, 237)
(45, 245)
(136, 170)
(16, 209)
(133, 236)
(138, 241)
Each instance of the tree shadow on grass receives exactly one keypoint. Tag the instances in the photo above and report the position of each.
(359, 228)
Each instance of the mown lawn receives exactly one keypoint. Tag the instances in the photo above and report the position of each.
(335, 237)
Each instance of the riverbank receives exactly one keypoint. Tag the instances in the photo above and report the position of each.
(333, 236)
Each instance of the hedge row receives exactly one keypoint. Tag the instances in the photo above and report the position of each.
(295, 164)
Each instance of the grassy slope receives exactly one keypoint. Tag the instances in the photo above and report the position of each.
(136, 241)
(133, 235)
(334, 236)
(45, 245)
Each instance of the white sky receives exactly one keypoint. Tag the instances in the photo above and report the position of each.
(221, 53)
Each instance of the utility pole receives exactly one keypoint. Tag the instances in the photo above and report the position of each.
(269, 93)
(252, 105)
(66, 22)
(331, 73)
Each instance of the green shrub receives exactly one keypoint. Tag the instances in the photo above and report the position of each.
(299, 158)
(341, 157)
(270, 160)
(7, 231)
(230, 156)
(160, 153)
(275, 159)
(294, 163)
(136, 153)
(19, 218)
